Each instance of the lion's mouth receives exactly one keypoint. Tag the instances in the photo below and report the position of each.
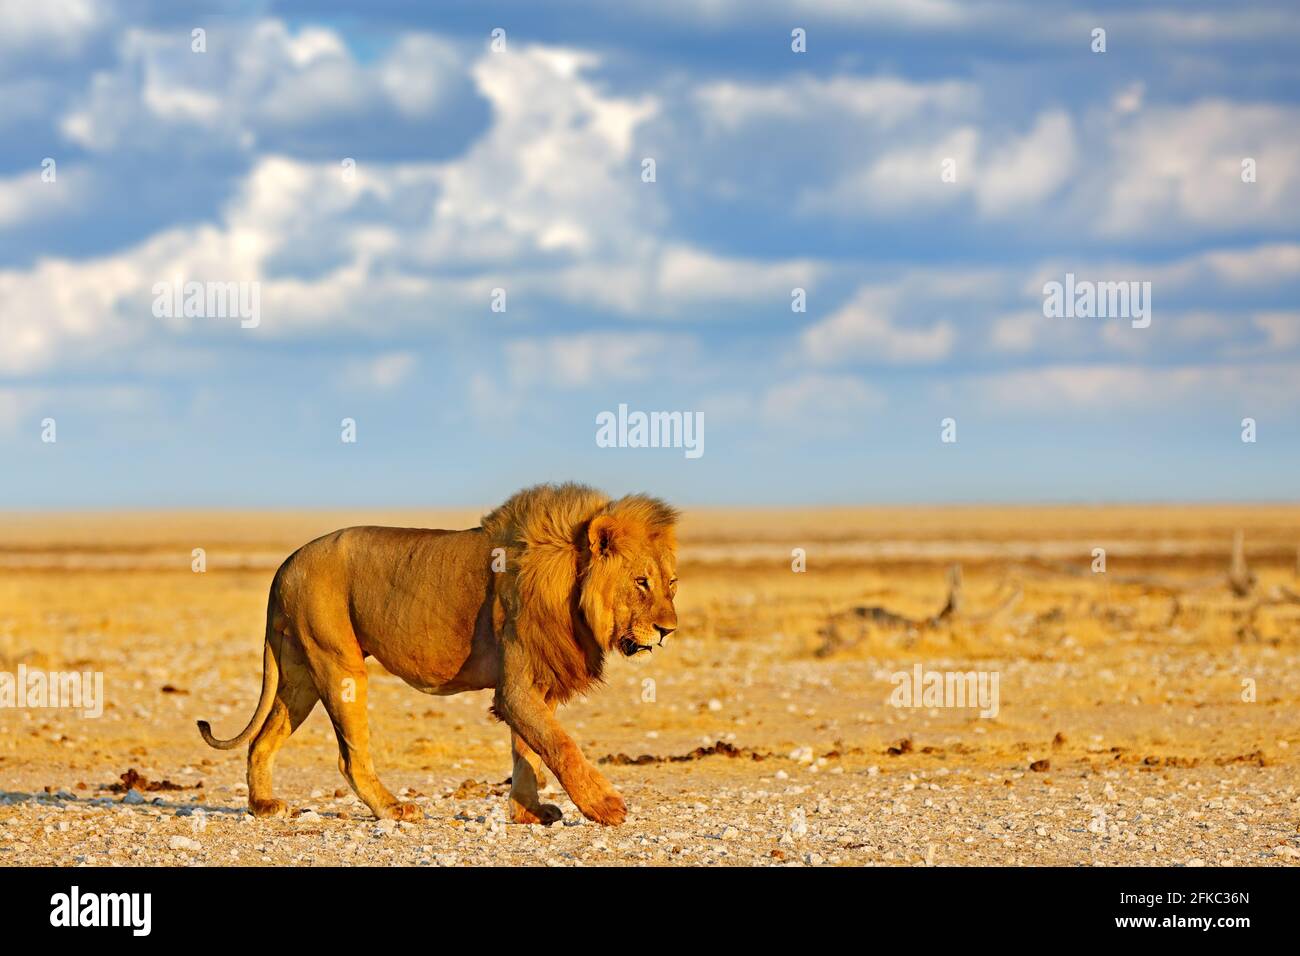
(629, 645)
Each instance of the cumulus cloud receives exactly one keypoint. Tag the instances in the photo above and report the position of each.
(878, 325)
(807, 175)
(1129, 166)
(1180, 167)
(1235, 273)
(917, 13)
(1106, 387)
(256, 82)
(901, 181)
(1020, 332)
(1028, 169)
(382, 372)
(938, 165)
(883, 101)
(54, 27)
(1223, 303)
(62, 310)
(1282, 328)
(552, 176)
(819, 400)
(589, 358)
(547, 205)
(25, 198)
(865, 329)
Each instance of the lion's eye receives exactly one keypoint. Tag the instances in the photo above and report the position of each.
(643, 583)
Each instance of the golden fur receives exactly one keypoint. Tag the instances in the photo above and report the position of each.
(544, 531)
(582, 575)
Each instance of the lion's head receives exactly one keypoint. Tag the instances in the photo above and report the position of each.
(585, 575)
(629, 579)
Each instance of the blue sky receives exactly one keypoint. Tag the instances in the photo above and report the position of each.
(521, 169)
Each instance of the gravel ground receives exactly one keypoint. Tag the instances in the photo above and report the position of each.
(742, 813)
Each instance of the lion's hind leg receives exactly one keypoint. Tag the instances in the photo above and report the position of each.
(294, 699)
(341, 679)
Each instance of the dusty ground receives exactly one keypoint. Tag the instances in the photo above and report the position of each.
(766, 734)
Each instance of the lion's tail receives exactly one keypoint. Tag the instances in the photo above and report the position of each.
(270, 681)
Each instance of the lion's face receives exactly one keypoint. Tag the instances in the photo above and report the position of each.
(631, 581)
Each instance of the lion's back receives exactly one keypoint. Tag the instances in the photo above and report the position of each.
(363, 560)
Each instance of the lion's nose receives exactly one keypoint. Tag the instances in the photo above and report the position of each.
(664, 631)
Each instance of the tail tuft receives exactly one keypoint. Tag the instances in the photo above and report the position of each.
(205, 731)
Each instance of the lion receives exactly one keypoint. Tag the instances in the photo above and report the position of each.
(528, 603)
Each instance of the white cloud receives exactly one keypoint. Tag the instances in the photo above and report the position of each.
(1132, 168)
(1028, 169)
(59, 310)
(899, 181)
(1201, 326)
(1211, 303)
(1030, 333)
(382, 372)
(866, 329)
(254, 81)
(687, 275)
(552, 175)
(415, 75)
(1265, 264)
(25, 198)
(1129, 99)
(1176, 24)
(1171, 23)
(548, 204)
(1105, 387)
(920, 13)
(819, 400)
(1258, 268)
(882, 101)
(589, 358)
(58, 27)
(1172, 168)
(1282, 329)
(1011, 177)
(62, 311)
(1019, 332)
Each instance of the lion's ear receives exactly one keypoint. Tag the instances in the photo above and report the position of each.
(601, 535)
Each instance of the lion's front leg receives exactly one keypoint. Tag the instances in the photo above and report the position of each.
(528, 714)
(526, 782)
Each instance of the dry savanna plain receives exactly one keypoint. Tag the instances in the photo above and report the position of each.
(1147, 714)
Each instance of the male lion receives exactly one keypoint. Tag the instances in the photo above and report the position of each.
(577, 576)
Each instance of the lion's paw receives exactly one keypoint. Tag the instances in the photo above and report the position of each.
(543, 813)
(608, 809)
(403, 810)
(268, 808)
